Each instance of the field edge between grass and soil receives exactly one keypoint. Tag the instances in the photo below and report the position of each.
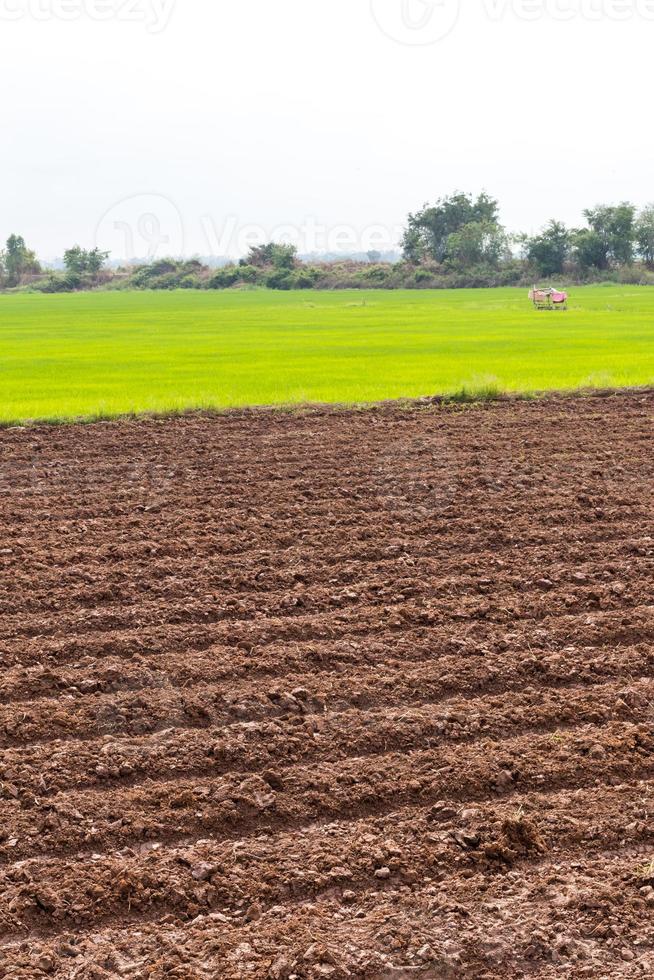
(465, 398)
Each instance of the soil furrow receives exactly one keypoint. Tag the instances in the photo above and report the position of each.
(356, 694)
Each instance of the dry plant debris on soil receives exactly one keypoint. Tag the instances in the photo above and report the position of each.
(330, 694)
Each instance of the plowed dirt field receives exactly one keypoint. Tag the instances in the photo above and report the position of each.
(330, 694)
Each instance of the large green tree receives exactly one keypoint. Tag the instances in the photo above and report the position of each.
(428, 231)
(79, 261)
(271, 255)
(17, 260)
(548, 250)
(589, 249)
(477, 243)
(644, 230)
(613, 235)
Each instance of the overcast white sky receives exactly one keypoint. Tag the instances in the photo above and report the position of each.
(177, 125)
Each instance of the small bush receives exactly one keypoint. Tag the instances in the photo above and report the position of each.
(422, 277)
(279, 279)
(191, 281)
(376, 273)
(248, 273)
(305, 278)
(60, 282)
(223, 278)
(170, 280)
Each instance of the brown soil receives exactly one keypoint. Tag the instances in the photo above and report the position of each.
(330, 694)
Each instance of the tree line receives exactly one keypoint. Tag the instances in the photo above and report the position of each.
(19, 264)
(458, 241)
(464, 232)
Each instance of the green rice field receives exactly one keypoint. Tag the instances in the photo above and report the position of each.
(109, 353)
